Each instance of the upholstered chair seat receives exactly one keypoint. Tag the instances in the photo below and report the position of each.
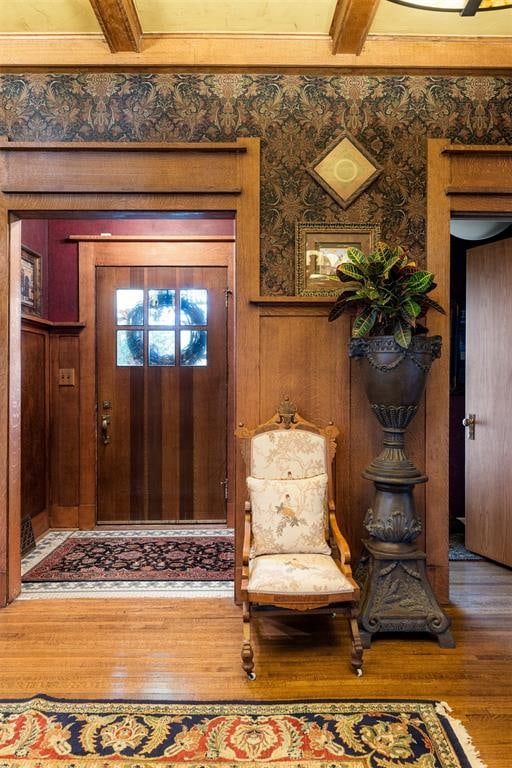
(296, 574)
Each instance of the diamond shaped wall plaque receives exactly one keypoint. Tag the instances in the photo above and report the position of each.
(344, 169)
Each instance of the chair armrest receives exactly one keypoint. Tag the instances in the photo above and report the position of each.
(338, 537)
(246, 550)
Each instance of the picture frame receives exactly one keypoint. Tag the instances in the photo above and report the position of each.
(30, 281)
(320, 246)
(344, 169)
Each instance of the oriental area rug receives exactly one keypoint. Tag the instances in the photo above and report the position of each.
(86, 562)
(51, 733)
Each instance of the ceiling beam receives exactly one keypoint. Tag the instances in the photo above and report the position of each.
(350, 25)
(120, 24)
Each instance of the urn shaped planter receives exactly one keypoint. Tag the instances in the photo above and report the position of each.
(396, 593)
(394, 380)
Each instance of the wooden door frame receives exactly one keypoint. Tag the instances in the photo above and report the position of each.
(96, 251)
(62, 179)
(464, 180)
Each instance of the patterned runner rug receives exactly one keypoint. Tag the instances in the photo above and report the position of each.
(137, 558)
(47, 733)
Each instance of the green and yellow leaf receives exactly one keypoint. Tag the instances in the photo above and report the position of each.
(350, 270)
(364, 322)
(411, 308)
(402, 334)
(419, 281)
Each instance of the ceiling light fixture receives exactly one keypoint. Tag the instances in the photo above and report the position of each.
(463, 7)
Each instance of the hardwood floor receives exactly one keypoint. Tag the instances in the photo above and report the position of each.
(189, 650)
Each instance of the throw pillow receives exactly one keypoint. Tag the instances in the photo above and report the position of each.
(289, 515)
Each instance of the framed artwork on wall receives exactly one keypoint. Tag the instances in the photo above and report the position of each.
(30, 281)
(344, 169)
(319, 248)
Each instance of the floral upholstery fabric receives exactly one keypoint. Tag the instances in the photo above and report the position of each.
(296, 574)
(290, 453)
(288, 515)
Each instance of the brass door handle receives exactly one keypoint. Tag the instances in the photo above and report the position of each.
(105, 423)
(469, 421)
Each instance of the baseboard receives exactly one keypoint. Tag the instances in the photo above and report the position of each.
(86, 517)
(40, 523)
(63, 517)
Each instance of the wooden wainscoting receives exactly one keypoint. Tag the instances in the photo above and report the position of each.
(35, 414)
(65, 426)
(49, 424)
(306, 357)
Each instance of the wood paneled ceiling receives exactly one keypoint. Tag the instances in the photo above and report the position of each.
(236, 35)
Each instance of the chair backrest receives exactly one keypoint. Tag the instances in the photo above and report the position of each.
(282, 454)
(288, 447)
(289, 466)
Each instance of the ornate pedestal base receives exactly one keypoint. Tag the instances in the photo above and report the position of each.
(397, 597)
(396, 594)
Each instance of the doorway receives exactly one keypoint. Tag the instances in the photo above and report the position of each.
(146, 179)
(158, 346)
(481, 260)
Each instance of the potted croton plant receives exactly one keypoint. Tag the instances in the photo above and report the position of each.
(389, 295)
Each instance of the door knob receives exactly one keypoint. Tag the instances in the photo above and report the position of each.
(469, 421)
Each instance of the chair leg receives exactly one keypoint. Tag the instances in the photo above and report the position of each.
(247, 652)
(356, 656)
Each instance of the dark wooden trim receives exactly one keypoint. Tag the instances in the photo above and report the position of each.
(154, 238)
(50, 325)
(125, 146)
(467, 150)
(479, 190)
(293, 301)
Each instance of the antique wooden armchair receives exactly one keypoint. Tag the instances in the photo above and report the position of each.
(294, 555)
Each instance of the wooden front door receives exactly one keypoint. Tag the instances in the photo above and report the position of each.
(162, 394)
(488, 391)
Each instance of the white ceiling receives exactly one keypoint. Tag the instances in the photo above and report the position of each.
(268, 17)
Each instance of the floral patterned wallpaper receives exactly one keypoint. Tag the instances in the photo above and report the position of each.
(296, 116)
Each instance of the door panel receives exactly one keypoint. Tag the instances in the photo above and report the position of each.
(488, 385)
(162, 393)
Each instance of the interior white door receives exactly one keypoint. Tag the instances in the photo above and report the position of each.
(489, 398)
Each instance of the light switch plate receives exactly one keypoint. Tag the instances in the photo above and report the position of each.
(66, 377)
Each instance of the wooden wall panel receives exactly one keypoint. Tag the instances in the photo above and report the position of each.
(64, 432)
(34, 421)
(486, 169)
(95, 170)
(303, 355)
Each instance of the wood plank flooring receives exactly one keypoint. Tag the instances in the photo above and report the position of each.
(189, 650)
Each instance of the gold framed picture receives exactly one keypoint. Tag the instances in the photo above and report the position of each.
(319, 248)
(30, 281)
